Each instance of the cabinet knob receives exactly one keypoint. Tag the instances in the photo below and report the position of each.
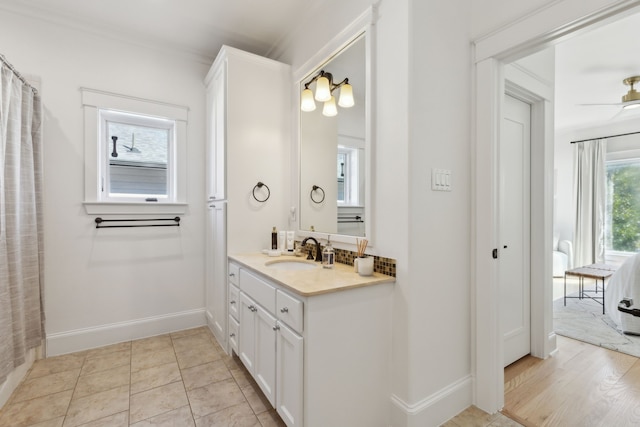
(284, 310)
(276, 328)
(232, 274)
(232, 302)
(252, 308)
(232, 335)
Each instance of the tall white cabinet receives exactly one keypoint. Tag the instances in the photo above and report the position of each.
(248, 141)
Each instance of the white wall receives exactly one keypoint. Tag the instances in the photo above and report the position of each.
(420, 124)
(109, 285)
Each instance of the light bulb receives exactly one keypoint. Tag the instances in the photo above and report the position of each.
(330, 108)
(306, 101)
(346, 96)
(632, 106)
(323, 92)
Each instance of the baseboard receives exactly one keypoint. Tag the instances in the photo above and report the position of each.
(98, 336)
(435, 409)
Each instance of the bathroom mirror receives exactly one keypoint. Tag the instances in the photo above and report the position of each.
(335, 150)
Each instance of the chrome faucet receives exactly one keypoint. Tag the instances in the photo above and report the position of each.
(318, 250)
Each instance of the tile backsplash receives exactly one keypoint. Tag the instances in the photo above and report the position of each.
(380, 264)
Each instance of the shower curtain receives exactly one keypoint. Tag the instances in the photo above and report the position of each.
(21, 237)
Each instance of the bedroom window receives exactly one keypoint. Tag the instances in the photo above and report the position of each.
(622, 215)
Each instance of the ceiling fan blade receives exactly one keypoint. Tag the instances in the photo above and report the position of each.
(618, 114)
(618, 104)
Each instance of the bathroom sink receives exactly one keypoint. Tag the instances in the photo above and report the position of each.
(291, 265)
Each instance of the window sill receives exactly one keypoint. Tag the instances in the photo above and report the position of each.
(131, 208)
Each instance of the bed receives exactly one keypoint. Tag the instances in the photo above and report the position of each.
(625, 283)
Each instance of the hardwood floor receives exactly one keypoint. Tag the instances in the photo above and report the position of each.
(582, 385)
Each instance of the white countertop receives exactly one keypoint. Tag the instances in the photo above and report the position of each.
(309, 282)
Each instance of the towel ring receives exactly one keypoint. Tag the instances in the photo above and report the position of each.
(260, 185)
(313, 189)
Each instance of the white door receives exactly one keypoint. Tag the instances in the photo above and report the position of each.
(289, 371)
(265, 361)
(247, 338)
(218, 262)
(514, 229)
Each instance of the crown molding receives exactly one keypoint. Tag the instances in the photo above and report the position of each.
(54, 17)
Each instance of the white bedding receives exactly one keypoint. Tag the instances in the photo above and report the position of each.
(625, 283)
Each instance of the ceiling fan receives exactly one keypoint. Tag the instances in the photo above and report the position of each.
(631, 99)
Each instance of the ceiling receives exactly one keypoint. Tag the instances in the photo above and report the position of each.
(198, 27)
(589, 69)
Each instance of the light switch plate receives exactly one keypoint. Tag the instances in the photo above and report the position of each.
(440, 180)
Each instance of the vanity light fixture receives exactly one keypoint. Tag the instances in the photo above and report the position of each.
(324, 93)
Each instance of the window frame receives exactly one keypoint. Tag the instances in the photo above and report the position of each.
(95, 103)
(617, 158)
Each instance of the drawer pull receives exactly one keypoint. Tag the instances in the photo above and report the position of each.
(232, 302)
(232, 335)
(276, 328)
(284, 310)
(252, 308)
(232, 274)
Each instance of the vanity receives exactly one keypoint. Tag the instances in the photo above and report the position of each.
(317, 341)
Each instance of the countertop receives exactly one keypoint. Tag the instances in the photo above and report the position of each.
(307, 283)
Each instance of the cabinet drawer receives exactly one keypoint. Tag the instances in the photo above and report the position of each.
(234, 273)
(234, 329)
(259, 290)
(234, 301)
(289, 310)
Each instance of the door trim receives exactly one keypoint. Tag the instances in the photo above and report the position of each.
(542, 27)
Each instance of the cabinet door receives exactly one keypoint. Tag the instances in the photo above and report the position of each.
(265, 360)
(218, 285)
(289, 375)
(246, 342)
(217, 160)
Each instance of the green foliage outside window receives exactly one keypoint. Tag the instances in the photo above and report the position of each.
(624, 185)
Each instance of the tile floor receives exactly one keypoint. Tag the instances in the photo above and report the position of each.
(180, 379)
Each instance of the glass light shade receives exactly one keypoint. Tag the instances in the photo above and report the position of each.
(346, 96)
(632, 106)
(306, 101)
(323, 92)
(330, 108)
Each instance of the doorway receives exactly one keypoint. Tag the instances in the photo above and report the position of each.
(543, 27)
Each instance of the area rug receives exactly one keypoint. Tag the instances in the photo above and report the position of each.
(582, 319)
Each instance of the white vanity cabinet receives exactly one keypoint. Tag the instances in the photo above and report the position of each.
(270, 350)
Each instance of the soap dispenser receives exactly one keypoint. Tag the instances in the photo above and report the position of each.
(328, 255)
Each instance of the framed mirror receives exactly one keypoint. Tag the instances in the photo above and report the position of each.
(335, 140)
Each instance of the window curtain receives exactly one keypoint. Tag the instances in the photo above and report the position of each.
(21, 236)
(589, 193)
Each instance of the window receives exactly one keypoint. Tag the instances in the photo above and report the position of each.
(348, 173)
(135, 154)
(136, 157)
(622, 216)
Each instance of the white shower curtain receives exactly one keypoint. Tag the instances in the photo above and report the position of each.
(589, 193)
(21, 239)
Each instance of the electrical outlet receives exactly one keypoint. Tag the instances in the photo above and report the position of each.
(440, 180)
